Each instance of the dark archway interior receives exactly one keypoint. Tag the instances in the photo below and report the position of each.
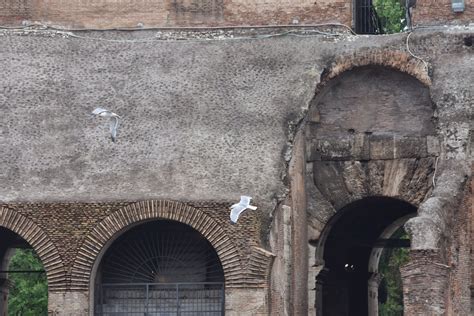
(347, 252)
(160, 267)
(10, 240)
(161, 252)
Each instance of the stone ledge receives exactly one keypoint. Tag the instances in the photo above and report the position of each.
(371, 147)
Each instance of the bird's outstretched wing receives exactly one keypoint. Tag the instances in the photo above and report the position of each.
(97, 111)
(114, 123)
(245, 200)
(235, 212)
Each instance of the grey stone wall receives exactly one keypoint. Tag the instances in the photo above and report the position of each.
(208, 120)
(202, 120)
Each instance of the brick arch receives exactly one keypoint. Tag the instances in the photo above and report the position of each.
(116, 223)
(394, 59)
(40, 242)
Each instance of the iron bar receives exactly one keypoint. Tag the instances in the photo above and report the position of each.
(22, 271)
(177, 299)
(187, 298)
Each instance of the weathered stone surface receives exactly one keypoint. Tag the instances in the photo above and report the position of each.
(244, 302)
(280, 240)
(355, 178)
(328, 178)
(319, 209)
(433, 145)
(68, 304)
(375, 100)
(382, 147)
(411, 147)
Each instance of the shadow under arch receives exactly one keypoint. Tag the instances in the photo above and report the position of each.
(345, 248)
(102, 236)
(41, 244)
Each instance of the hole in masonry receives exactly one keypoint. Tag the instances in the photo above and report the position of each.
(468, 41)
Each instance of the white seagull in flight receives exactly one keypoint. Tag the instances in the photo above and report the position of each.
(237, 209)
(114, 120)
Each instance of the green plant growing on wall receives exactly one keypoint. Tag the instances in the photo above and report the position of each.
(391, 14)
(390, 262)
(29, 295)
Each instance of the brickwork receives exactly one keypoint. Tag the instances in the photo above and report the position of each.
(40, 241)
(71, 236)
(173, 13)
(176, 13)
(440, 12)
(394, 59)
(459, 257)
(425, 284)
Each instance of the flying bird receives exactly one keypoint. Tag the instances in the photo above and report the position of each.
(114, 120)
(237, 209)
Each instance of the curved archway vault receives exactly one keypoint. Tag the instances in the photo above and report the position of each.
(394, 59)
(40, 242)
(240, 269)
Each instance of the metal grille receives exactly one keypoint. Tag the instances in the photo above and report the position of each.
(160, 268)
(163, 299)
(366, 19)
(161, 252)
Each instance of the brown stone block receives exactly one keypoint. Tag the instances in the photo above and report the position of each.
(361, 146)
(328, 178)
(382, 147)
(411, 147)
(337, 148)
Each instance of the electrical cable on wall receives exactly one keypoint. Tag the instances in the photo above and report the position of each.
(425, 63)
(302, 32)
(434, 173)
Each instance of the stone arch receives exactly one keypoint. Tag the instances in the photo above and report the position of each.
(345, 164)
(334, 249)
(388, 231)
(115, 224)
(40, 242)
(394, 59)
(374, 259)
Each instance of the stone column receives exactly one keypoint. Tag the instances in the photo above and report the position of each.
(320, 280)
(373, 293)
(299, 284)
(4, 290)
(68, 303)
(425, 284)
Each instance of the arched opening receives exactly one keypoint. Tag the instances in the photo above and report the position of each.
(160, 267)
(388, 298)
(23, 283)
(355, 236)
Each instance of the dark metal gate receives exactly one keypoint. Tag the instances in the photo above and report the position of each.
(163, 299)
(366, 19)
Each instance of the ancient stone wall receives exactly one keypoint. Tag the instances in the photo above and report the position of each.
(459, 256)
(208, 120)
(71, 236)
(440, 12)
(177, 13)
